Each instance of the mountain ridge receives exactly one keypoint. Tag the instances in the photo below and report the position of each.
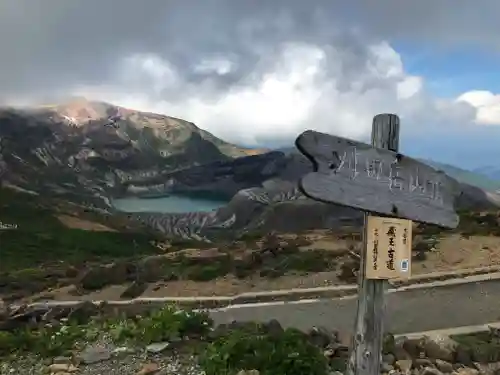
(472, 177)
(91, 153)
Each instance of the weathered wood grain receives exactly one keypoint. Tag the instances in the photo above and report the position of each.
(366, 348)
(376, 180)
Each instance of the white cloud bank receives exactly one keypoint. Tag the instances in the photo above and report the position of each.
(249, 74)
(307, 86)
(487, 105)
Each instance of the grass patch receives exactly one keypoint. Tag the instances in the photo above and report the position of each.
(24, 248)
(481, 347)
(266, 264)
(40, 238)
(197, 266)
(267, 348)
(284, 352)
(486, 223)
(61, 339)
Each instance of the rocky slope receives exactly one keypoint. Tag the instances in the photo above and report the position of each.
(82, 149)
(89, 152)
(491, 171)
(476, 177)
(265, 197)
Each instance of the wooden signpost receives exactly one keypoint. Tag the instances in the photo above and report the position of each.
(379, 181)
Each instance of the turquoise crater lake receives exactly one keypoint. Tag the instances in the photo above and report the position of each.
(170, 204)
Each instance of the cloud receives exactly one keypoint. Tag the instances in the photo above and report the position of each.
(487, 106)
(304, 85)
(251, 72)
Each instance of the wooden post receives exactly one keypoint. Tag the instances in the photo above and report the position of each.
(367, 342)
(378, 179)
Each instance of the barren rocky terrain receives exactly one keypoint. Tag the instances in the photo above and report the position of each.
(71, 254)
(61, 239)
(91, 340)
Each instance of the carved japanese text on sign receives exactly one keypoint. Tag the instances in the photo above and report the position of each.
(352, 163)
(358, 175)
(388, 248)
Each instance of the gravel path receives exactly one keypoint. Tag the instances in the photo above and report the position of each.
(139, 363)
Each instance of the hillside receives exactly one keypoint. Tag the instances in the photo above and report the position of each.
(90, 152)
(84, 150)
(478, 177)
(61, 237)
(491, 171)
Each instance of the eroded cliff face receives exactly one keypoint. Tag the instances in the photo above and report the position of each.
(89, 152)
(265, 197)
(92, 149)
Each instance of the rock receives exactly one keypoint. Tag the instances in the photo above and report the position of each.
(71, 272)
(61, 360)
(219, 331)
(204, 256)
(487, 368)
(463, 355)
(22, 318)
(385, 367)
(151, 268)
(389, 359)
(400, 353)
(344, 338)
(467, 371)
(122, 350)
(83, 312)
(430, 371)
(249, 372)
(95, 354)
(134, 290)
(329, 353)
(4, 311)
(444, 366)
(100, 276)
(438, 350)
(388, 343)
(157, 347)
(149, 369)
(58, 368)
(422, 362)
(404, 364)
(349, 271)
(273, 327)
(398, 350)
(413, 347)
(321, 337)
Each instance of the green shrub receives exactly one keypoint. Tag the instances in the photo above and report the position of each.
(25, 248)
(482, 346)
(53, 340)
(285, 353)
(170, 322)
(45, 341)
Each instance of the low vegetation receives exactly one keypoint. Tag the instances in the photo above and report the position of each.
(481, 346)
(61, 339)
(221, 351)
(40, 252)
(284, 352)
(40, 238)
(227, 349)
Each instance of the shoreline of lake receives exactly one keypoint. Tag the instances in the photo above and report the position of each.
(172, 203)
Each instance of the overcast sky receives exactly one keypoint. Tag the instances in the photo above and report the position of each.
(258, 72)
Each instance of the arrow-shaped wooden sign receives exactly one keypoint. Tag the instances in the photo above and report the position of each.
(376, 180)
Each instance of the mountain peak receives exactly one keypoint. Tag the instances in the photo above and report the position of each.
(80, 110)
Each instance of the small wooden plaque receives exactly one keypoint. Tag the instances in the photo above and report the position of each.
(388, 253)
